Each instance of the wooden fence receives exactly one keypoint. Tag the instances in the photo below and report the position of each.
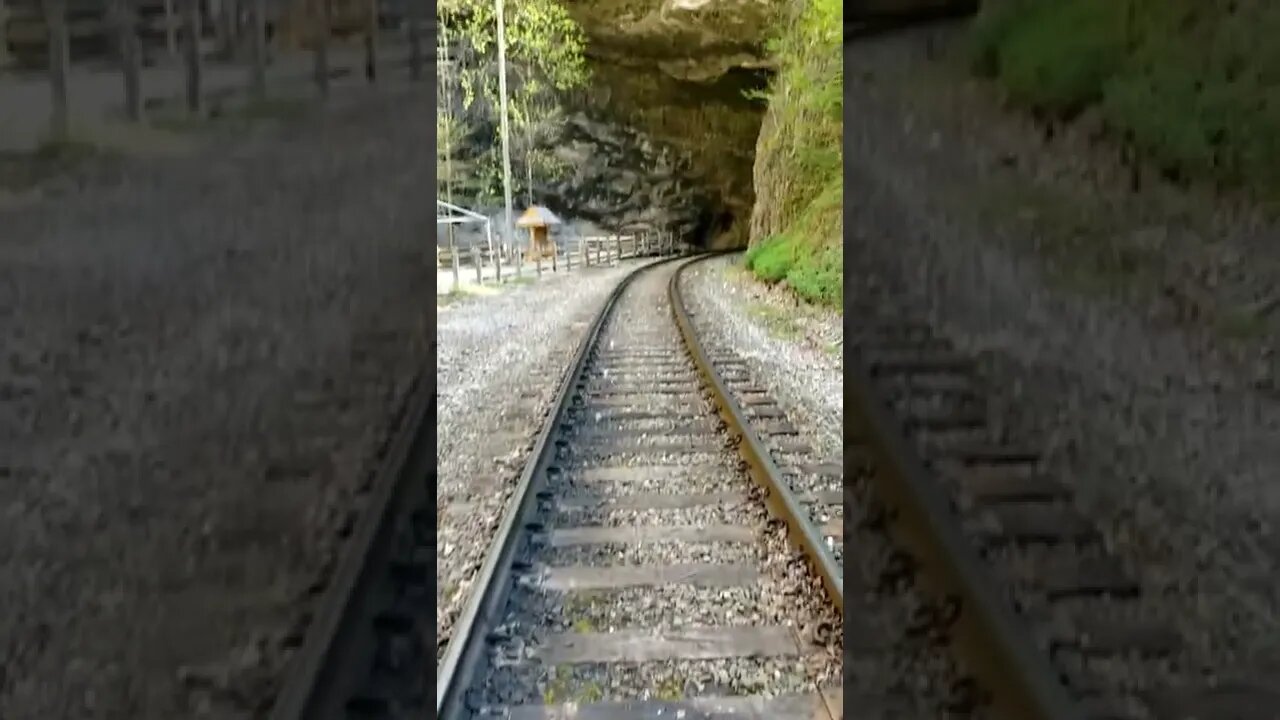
(24, 33)
(578, 252)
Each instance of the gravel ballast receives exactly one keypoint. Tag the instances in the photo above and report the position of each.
(1152, 399)
(792, 350)
(793, 619)
(200, 357)
(499, 362)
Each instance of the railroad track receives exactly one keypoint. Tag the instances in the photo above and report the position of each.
(1048, 621)
(639, 573)
(673, 549)
(638, 568)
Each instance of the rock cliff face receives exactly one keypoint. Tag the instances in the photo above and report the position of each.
(665, 133)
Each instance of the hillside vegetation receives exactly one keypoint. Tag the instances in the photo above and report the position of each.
(796, 223)
(1194, 85)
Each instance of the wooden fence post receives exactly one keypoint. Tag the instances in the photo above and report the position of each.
(258, 41)
(191, 51)
(126, 21)
(325, 22)
(170, 29)
(371, 45)
(55, 13)
(4, 35)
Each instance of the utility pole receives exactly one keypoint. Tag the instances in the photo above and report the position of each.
(448, 149)
(509, 228)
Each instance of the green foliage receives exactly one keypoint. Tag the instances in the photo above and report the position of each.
(1063, 53)
(809, 256)
(1193, 84)
(995, 22)
(545, 54)
(804, 154)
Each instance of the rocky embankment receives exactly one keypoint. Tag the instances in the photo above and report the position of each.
(1128, 326)
(199, 357)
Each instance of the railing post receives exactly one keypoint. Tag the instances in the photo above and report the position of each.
(4, 27)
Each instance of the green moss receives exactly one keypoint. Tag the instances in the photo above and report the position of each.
(775, 321)
(669, 690)
(1194, 85)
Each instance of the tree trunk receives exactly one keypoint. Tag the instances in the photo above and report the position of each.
(258, 71)
(191, 53)
(55, 13)
(322, 47)
(130, 57)
(371, 45)
(4, 38)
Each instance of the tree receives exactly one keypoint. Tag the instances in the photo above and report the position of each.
(545, 53)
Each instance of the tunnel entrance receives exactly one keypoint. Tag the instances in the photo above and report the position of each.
(669, 152)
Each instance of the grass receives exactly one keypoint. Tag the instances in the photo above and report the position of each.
(52, 158)
(1243, 324)
(1193, 85)
(777, 322)
(235, 117)
(559, 690)
(806, 255)
(669, 690)
(803, 186)
(1088, 248)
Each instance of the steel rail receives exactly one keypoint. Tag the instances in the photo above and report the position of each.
(992, 642)
(781, 499)
(320, 674)
(462, 660)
